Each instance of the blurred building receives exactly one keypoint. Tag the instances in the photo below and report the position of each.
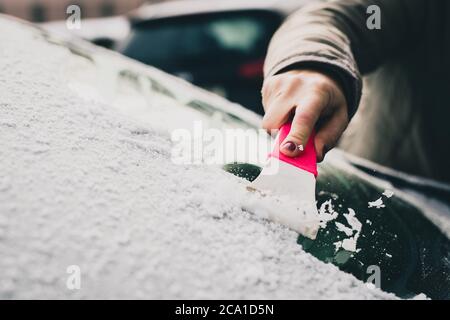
(47, 10)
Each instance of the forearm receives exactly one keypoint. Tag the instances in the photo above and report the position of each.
(332, 37)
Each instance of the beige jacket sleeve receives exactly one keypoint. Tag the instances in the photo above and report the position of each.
(334, 37)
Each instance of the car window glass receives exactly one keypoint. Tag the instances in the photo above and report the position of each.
(194, 40)
(238, 33)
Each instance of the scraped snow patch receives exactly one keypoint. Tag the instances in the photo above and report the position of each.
(388, 193)
(378, 204)
(353, 232)
(327, 213)
(340, 227)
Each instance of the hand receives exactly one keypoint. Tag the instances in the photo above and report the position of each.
(313, 100)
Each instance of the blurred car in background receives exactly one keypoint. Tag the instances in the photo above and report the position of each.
(218, 45)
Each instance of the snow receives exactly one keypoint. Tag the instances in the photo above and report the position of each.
(286, 195)
(377, 204)
(350, 243)
(340, 227)
(83, 185)
(353, 232)
(388, 193)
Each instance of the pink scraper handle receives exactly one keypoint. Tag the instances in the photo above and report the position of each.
(307, 158)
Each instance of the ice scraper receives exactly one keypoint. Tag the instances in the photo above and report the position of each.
(292, 182)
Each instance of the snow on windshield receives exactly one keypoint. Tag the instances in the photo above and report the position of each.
(83, 185)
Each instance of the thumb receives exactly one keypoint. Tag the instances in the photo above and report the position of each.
(303, 122)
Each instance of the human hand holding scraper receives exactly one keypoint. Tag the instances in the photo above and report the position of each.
(313, 78)
(295, 101)
(308, 98)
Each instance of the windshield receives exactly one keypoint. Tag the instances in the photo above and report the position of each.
(412, 252)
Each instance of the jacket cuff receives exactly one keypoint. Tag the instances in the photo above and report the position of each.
(349, 78)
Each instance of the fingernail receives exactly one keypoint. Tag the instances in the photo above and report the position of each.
(290, 146)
